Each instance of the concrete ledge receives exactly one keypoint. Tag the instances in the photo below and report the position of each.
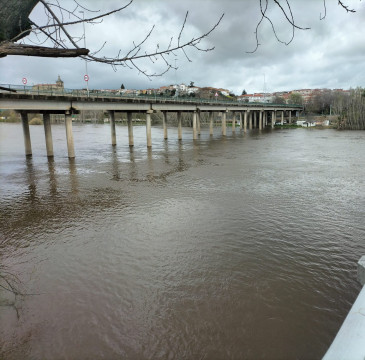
(350, 339)
(361, 270)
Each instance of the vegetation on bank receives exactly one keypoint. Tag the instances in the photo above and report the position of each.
(9, 116)
(36, 121)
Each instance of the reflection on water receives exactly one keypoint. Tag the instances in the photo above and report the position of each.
(241, 247)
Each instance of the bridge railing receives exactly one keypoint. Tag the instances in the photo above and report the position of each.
(117, 94)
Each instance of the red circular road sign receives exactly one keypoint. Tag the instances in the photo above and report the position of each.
(24, 80)
(86, 77)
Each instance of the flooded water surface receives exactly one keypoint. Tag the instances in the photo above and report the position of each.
(243, 247)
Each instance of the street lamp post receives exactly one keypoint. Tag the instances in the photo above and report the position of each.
(87, 75)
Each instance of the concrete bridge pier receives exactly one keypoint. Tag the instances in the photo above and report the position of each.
(273, 119)
(198, 118)
(112, 127)
(195, 132)
(130, 129)
(179, 126)
(211, 123)
(240, 118)
(255, 119)
(164, 124)
(250, 119)
(282, 118)
(26, 133)
(233, 122)
(247, 113)
(289, 116)
(69, 136)
(148, 128)
(260, 120)
(48, 134)
(224, 123)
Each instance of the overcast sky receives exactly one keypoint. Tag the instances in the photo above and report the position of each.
(329, 55)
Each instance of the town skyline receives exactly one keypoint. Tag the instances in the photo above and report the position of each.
(201, 91)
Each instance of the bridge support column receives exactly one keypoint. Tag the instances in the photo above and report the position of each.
(198, 121)
(282, 118)
(26, 133)
(245, 120)
(48, 134)
(164, 124)
(195, 136)
(224, 123)
(273, 119)
(255, 119)
(289, 116)
(250, 115)
(130, 129)
(112, 127)
(240, 117)
(148, 128)
(179, 126)
(69, 136)
(234, 122)
(260, 120)
(211, 123)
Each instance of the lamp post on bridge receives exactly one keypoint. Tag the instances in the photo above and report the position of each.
(86, 76)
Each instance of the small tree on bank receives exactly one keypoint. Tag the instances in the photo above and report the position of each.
(295, 98)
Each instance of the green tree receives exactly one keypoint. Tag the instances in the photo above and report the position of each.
(244, 92)
(278, 100)
(122, 87)
(295, 98)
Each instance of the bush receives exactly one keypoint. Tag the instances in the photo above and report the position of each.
(36, 121)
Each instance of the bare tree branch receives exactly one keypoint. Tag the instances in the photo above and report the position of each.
(32, 50)
(289, 18)
(57, 30)
(345, 7)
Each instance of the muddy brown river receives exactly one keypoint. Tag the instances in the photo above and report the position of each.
(242, 247)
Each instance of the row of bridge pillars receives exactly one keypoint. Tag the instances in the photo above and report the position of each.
(251, 119)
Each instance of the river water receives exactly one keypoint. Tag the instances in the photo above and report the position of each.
(242, 247)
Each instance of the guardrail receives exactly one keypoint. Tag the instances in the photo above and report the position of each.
(117, 94)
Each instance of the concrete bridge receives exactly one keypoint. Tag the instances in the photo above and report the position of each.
(250, 115)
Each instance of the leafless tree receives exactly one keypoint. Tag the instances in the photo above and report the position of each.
(351, 110)
(15, 25)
